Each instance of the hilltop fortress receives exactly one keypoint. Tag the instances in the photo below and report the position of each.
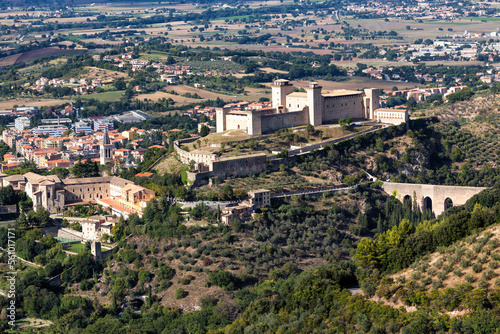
(315, 107)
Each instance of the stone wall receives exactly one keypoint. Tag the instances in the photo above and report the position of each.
(237, 122)
(343, 107)
(275, 122)
(69, 234)
(196, 156)
(296, 103)
(242, 166)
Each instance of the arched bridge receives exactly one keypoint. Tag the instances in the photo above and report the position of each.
(428, 196)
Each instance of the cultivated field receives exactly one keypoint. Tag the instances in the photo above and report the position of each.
(102, 74)
(30, 56)
(9, 104)
(9, 60)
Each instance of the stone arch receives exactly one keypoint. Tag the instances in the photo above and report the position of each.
(448, 203)
(427, 203)
(407, 201)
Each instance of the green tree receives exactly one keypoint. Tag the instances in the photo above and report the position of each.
(8, 196)
(204, 131)
(85, 169)
(310, 129)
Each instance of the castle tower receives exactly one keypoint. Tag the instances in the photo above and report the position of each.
(95, 249)
(106, 148)
(315, 103)
(371, 102)
(280, 89)
(220, 118)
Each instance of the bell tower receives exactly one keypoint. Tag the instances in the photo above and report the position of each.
(106, 148)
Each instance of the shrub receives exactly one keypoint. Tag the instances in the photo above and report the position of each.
(477, 267)
(493, 265)
(482, 283)
(493, 243)
(470, 278)
(442, 275)
(86, 285)
(186, 279)
(165, 284)
(180, 293)
(223, 279)
(483, 259)
(425, 281)
(470, 255)
(489, 274)
(165, 272)
(458, 272)
(437, 284)
(401, 279)
(465, 263)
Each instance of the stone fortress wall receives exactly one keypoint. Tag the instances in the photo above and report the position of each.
(239, 166)
(342, 107)
(221, 168)
(196, 156)
(300, 108)
(271, 123)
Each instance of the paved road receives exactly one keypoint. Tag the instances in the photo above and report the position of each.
(311, 191)
(211, 204)
(223, 204)
(7, 222)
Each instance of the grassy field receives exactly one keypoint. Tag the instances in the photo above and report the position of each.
(76, 248)
(154, 56)
(107, 96)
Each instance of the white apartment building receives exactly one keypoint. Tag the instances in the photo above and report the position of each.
(50, 130)
(22, 123)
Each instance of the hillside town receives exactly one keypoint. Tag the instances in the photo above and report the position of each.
(61, 142)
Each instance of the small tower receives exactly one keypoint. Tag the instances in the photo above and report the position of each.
(371, 102)
(95, 249)
(106, 148)
(315, 103)
(280, 89)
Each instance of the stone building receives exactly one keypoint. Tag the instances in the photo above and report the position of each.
(260, 198)
(289, 108)
(121, 196)
(392, 116)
